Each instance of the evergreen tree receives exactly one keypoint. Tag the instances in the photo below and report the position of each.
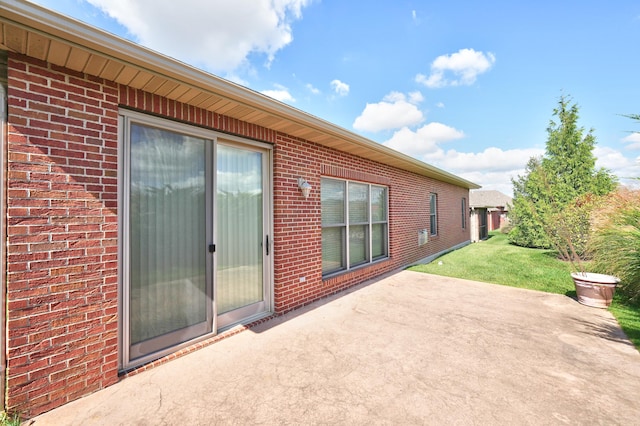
(530, 202)
(556, 181)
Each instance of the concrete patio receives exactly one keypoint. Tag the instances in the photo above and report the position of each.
(411, 348)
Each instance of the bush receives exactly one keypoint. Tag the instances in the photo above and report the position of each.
(615, 242)
(569, 228)
(506, 228)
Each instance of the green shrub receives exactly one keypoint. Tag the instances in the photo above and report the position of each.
(569, 228)
(615, 243)
(506, 228)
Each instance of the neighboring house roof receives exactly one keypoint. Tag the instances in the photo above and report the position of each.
(38, 32)
(489, 199)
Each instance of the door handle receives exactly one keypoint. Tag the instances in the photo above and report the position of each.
(267, 245)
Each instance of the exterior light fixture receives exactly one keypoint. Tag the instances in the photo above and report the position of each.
(304, 187)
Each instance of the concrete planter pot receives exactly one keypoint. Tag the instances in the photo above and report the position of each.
(595, 290)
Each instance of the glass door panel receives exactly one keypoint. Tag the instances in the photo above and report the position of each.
(240, 234)
(169, 299)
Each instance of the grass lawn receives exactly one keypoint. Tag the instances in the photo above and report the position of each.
(9, 420)
(525, 268)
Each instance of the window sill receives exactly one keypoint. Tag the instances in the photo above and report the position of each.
(336, 274)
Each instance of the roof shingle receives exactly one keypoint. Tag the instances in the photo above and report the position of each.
(489, 198)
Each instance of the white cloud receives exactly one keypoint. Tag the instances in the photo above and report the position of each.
(339, 87)
(415, 97)
(465, 66)
(312, 89)
(491, 159)
(498, 181)
(393, 112)
(423, 142)
(395, 97)
(633, 141)
(215, 34)
(440, 105)
(492, 168)
(280, 93)
(627, 169)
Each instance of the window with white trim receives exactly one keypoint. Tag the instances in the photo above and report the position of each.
(433, 214)
(354, 224)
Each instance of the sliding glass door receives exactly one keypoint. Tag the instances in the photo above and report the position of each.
(195, 243)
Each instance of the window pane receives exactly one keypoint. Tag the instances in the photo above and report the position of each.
(239, 278)
(358, 244)
(433, 214)
(379, 240)
(332, 195)
(464, 213)
(358, 203)
(378, 204)
(332, 249)
(167, 243)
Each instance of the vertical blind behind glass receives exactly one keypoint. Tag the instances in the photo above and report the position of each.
(379, 220)
(166, 223)
(358, 223)
(240, 228)
(332, 194)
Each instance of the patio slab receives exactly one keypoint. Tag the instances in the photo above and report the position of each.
(410, 348)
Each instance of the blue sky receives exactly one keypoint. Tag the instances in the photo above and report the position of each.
(464, 85)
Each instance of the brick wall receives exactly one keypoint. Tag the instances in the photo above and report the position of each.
(298, 221)
(62, 225)
(62, 229)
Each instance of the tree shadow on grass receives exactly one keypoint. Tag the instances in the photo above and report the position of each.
(551, 254)
(633, 334)
(627, 314)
